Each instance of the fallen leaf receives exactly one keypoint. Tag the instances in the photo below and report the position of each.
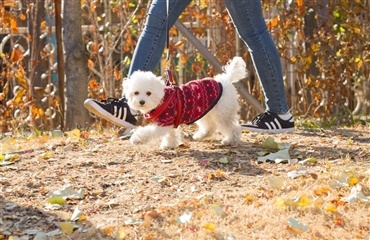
(74, 134)
(133, 221)
(331, 208)
(223, 160)
(218, 209)
(280, 203)
(217, 175)
(209, 226)
(147, 221)
(296, 225)
(352, 180)
(121, 234)
(318, 202)
(68, 193)
(54, 233)
(7, 145)
(85, 134)
(248, 198)
(158, 179)
(269, 143)
(310, 161)
(76, 215)
(46, 155)
(279, 155)
(356, 194)
(40, 236)
(109, 231)
(56, 199)
(67, 227)
(204, 163)
(339, 221)
(166, 161)
(262, 153)
(184, 218)
(276, 182)
(344, 179)
(297, 173)
(320, 191)
(9, 159)
(303, 201)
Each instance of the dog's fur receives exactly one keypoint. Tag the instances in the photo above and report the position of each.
(145, 91)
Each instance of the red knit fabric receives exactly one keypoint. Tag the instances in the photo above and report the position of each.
(187, 103)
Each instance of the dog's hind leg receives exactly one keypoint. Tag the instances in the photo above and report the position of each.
(231, 132)
(206, 128)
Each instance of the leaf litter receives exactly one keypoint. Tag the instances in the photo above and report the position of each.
(105, 188)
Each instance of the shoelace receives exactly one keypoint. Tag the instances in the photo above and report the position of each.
(257, 119)
(122, 102)
(114, 100)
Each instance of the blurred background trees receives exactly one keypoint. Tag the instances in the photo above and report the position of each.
(323, 44)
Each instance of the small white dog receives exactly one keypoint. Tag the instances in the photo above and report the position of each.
(211, 103)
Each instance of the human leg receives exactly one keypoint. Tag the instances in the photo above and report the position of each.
(250, 24)
(152, 40)
(146, 57)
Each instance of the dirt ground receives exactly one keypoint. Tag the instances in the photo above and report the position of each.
(111, 189)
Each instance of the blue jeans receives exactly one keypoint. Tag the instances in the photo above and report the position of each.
(250, 24)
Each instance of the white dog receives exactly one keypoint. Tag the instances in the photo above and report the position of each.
(211, 103)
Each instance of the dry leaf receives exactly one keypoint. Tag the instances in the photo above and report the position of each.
(209, 226)
(331, 208)
(67, 227)
(303, 201)
(109, 231)
(296, 225)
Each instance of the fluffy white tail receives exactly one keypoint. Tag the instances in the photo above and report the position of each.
(236, 69)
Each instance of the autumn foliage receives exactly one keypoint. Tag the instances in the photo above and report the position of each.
(323, 45)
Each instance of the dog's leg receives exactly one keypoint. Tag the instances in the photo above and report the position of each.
(206, 128)
(227, 124)
(141, 135)
(171, 140)
(231, 132)
(148, 133)
(225, 114)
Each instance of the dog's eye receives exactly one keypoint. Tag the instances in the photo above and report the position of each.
(136, 93)
(148, 93)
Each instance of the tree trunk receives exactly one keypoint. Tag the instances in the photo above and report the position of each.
(36, 16)
(75, 66)
(60, 59)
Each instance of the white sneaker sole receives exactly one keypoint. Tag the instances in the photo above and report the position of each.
(273, 131)
(93, 108)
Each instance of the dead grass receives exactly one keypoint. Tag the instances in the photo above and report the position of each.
(141, 192)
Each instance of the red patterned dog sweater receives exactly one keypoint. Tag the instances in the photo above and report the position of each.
(187, 103)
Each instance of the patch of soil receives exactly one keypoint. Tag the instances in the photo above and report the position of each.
(142, 192)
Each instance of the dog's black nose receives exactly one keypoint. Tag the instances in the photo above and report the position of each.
(142, 102)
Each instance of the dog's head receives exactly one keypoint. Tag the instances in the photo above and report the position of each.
(144, 91)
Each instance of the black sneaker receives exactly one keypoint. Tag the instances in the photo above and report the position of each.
(269, 122)
(113, 110)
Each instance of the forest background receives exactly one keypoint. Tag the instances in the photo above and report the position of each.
(324, 48)
(91, 183)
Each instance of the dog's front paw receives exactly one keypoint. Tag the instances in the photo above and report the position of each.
(199, 135)
(170, 144)
(230, 141)
(135, 139)
(167, 145)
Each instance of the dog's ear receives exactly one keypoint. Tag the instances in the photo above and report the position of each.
(124, 83)
(161, 80)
